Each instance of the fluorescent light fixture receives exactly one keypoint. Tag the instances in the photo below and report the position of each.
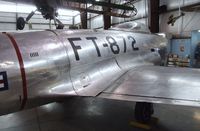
(88, 5)
(162, 34)
(13, 7)
(68, 12)
(25, 8)
(8, 7)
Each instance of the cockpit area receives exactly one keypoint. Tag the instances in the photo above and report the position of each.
(133, 27)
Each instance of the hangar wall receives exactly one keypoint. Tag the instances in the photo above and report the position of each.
(96, 21)
(184, 25)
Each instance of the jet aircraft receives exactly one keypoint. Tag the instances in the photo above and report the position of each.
(122, 63)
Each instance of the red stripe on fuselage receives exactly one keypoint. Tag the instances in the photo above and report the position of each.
(1, 81)
(22, 69)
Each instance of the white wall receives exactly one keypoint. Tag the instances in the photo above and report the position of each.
(172, 4)
(77, 20)
(184, 25)
(97, 22)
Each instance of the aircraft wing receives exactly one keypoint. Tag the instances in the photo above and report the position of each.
(180, 86)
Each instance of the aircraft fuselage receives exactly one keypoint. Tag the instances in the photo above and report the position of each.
(37, 67)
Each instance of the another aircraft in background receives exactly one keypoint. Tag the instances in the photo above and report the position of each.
(48, 9)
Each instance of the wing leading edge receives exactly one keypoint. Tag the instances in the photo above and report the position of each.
(179, 86)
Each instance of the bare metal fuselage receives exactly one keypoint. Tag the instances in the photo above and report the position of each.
(37, 67)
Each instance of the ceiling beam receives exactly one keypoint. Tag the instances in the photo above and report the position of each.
(106, 17)
(95, 11)
(102, 3)
(154, 15)
(83, 16)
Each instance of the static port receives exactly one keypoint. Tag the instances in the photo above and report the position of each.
(152, 50)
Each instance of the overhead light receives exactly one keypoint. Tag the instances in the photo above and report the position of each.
(88, 5)
(68, 12)
(162, 34)
(8, 7)
(198, 30)
(25, 8)
(19, 8)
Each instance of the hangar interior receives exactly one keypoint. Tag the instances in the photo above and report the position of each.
(182, 30)
(177, 20)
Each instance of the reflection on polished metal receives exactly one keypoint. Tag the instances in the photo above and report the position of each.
(44, 66)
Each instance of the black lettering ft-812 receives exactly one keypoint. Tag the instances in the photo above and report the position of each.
(111, 42)
(75, 47)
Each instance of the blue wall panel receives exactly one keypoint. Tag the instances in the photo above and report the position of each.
(195, 41)
(177, 44)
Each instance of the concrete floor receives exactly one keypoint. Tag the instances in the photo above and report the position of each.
(89, 114)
